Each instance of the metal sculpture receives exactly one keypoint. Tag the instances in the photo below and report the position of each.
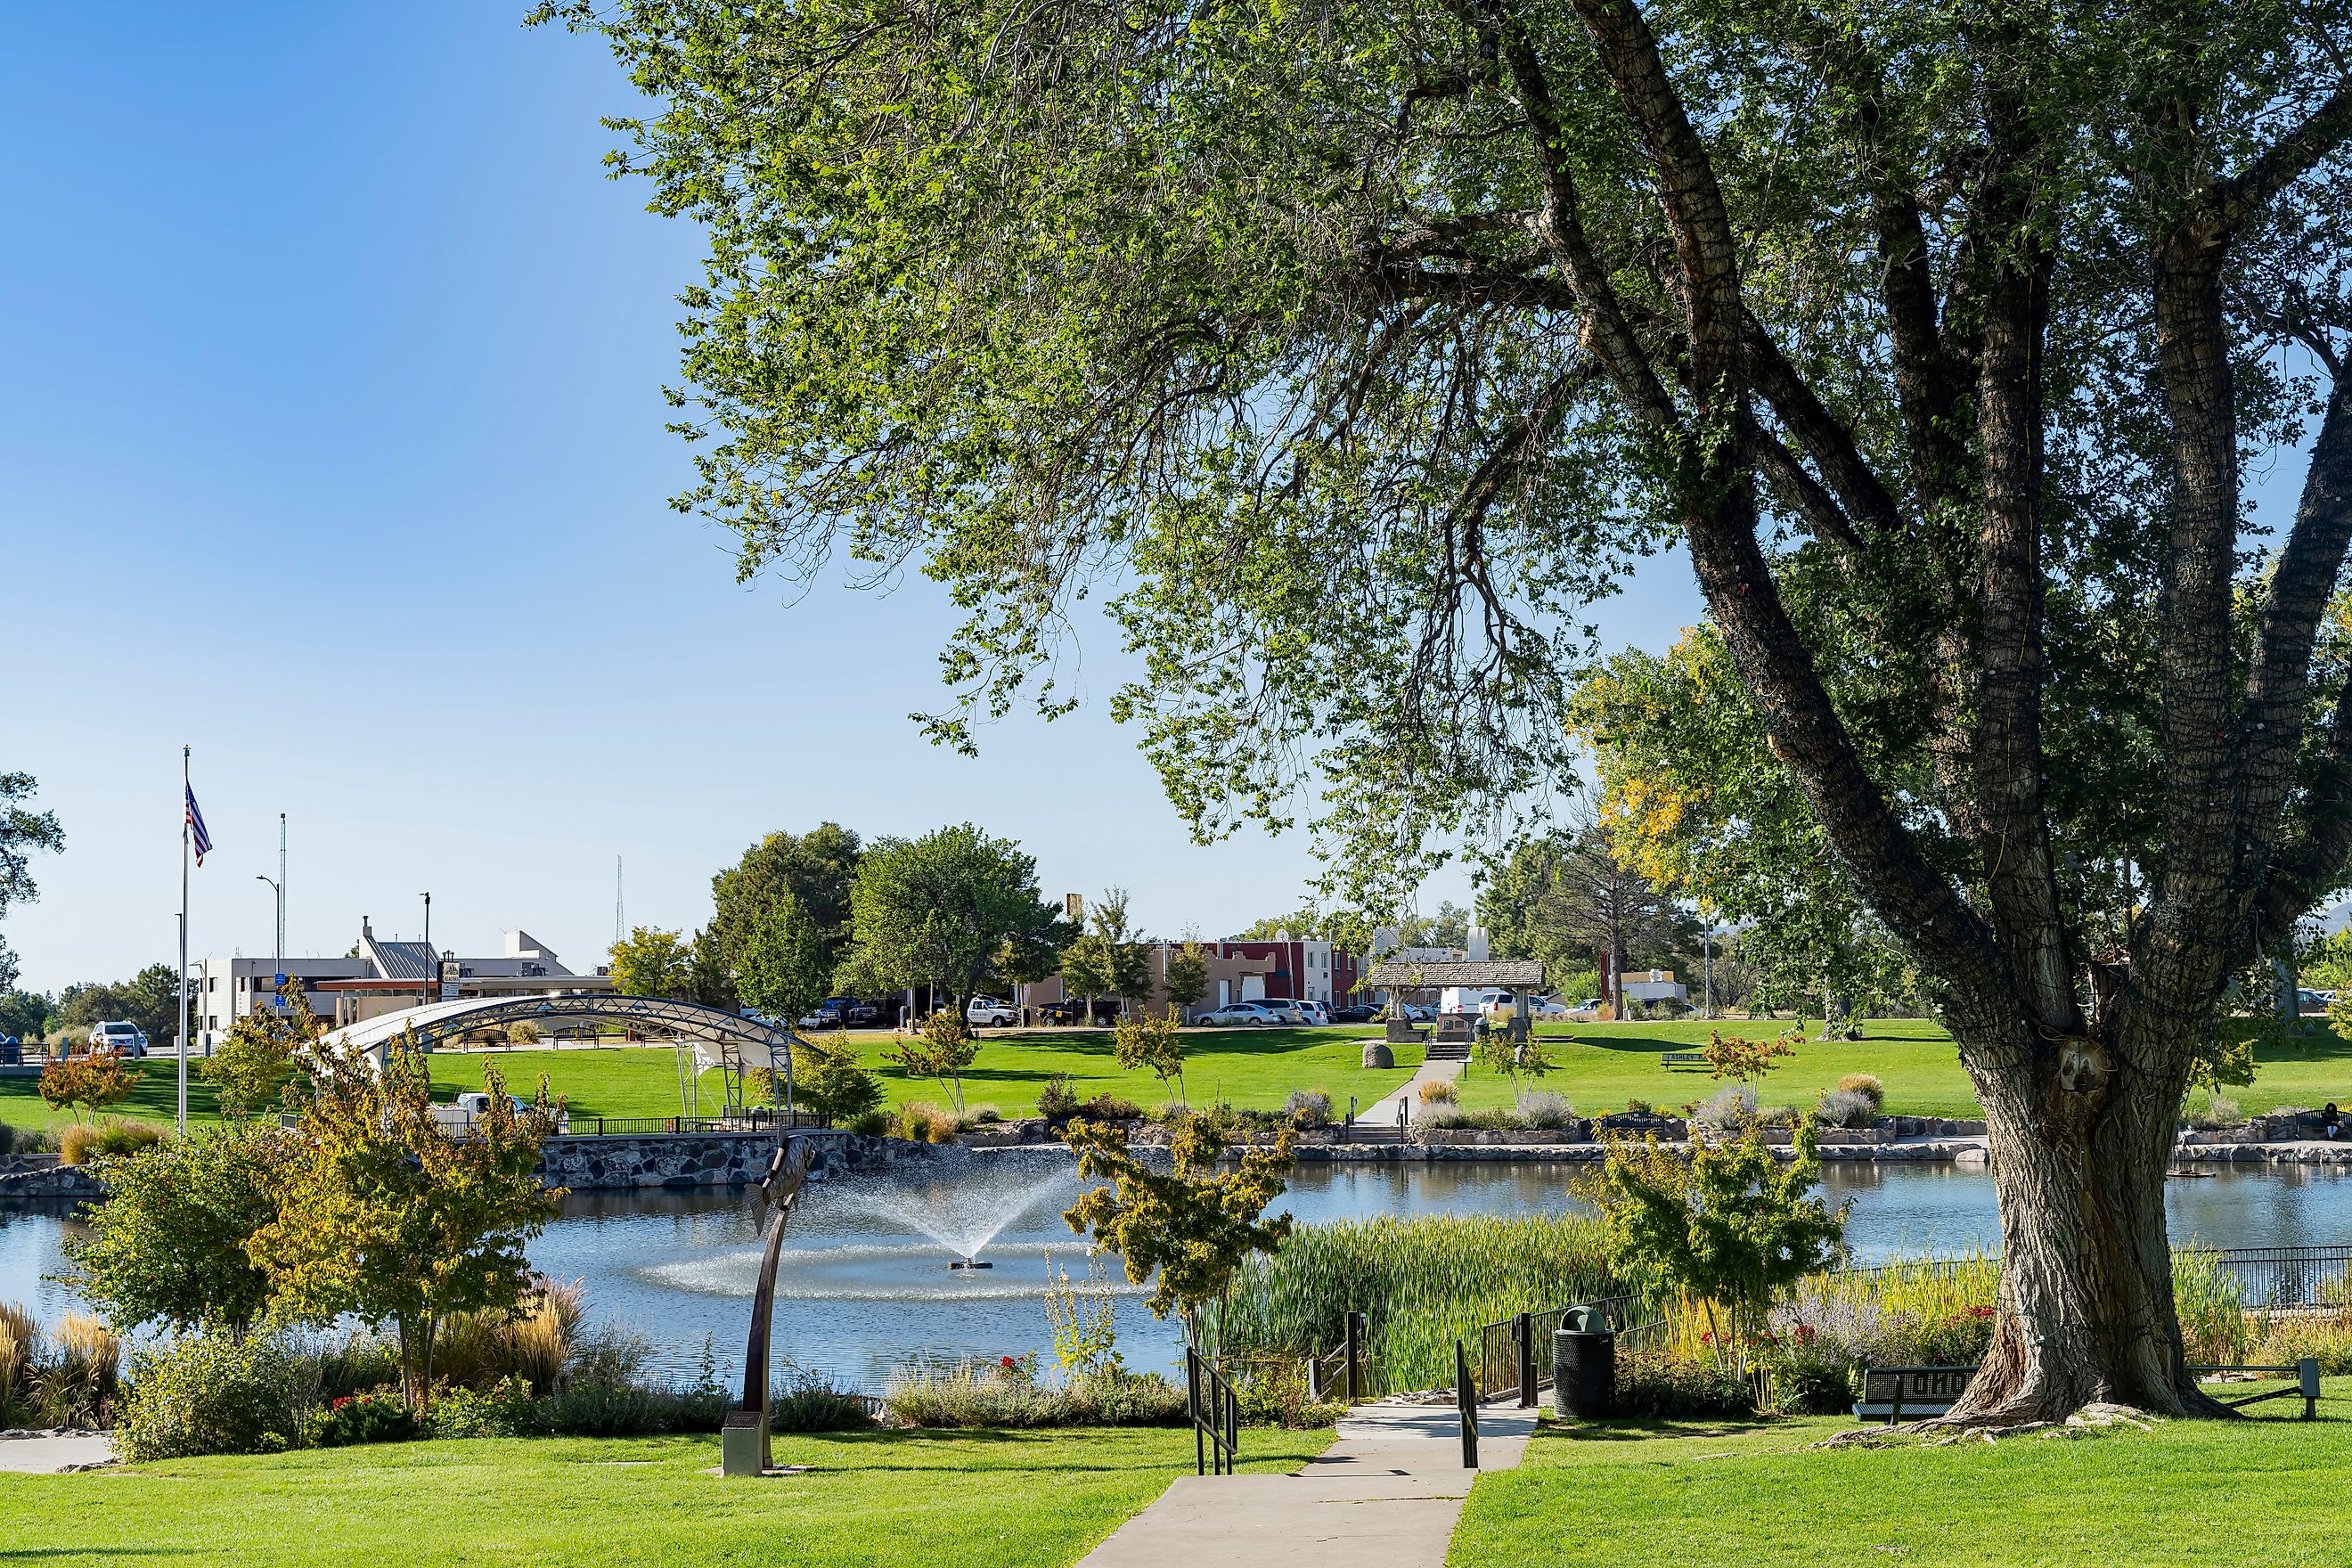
(779, 1190)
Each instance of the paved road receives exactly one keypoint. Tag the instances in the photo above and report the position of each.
(1387, 1494)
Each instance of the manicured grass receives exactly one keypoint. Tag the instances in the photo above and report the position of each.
(156, 1100)
(1006, 1499)
(1698, 1494)
(1600, 1066)
(1255, 1068)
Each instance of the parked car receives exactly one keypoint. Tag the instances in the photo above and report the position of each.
(2309, 1001)
(990, 1010)
(1355, 1012)
(1315, 1012)
(1284, 1010)
(1239, 1013)
(841, 1012)
(1416, 1013)
(119, 1036)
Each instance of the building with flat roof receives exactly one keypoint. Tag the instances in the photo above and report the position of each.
(378, 976)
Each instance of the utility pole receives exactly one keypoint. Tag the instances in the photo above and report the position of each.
(619, 934)
(428, 921)
(280, 971)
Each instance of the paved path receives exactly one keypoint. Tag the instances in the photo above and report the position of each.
(1383, 1112)
(49, 1453)
(1387, 1494)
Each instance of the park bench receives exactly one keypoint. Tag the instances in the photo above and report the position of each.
(1893, 1394)
(1682, 1058)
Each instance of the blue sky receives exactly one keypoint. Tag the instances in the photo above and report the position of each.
(330, 444)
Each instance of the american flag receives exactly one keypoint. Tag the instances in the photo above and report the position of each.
(202, 840)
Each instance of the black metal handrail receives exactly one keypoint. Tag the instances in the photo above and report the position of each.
(1345, 1357)
(1466, 1404)
(763, 1121)
(1215, 1411)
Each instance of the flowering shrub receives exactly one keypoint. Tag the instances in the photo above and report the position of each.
(503, 1411)
(209, 1393)
(373, 1417)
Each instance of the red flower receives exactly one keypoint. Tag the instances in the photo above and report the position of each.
(1007, 1362)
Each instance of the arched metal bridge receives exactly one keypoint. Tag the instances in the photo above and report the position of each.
(719, 1038)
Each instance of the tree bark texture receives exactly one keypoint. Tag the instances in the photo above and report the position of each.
(2080, 1106)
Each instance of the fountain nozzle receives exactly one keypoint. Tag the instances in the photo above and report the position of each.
(970, 1263)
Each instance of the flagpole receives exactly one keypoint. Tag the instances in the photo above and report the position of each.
(185, 828)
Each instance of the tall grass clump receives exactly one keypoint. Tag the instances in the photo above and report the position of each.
(1421, 1281)
(2211, 1302)
(535, 1341)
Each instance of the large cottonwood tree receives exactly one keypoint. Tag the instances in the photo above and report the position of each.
(1350, 347)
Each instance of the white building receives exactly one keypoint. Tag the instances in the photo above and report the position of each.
(386, 977)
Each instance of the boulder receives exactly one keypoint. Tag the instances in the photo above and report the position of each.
(1377, 1055)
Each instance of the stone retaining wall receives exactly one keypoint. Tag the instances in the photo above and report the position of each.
(44, 1176)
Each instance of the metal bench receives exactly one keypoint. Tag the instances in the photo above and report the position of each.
(1892, 1394)
(2305, 1373)
(1682, 1058)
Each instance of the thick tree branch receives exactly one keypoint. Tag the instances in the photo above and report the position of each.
(1798, 489)
(2019, 873)
(2293, 156)
(1825, 437)
(1801, 723)
(2312, 857)
(1559, 225)
(1686, 190)
(2278, 683)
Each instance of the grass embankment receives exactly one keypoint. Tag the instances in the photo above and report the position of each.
(157, 1099)
(1600, 1068)
(1738, 1494)
(1253, 1068)
(874, 1501)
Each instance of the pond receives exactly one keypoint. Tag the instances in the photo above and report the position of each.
(865, 1284)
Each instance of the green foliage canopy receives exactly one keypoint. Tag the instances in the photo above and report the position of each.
(651, 961)
(780, 969)
(1731, 1223)
(1194, 1223)
(384, 1213)
(936, 911)
(168, 1245)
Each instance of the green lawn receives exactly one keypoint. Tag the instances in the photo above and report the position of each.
(1600, 1068)
(1255, 1068)
(1698, 1494)
(156, 1100)
(1005, 1499)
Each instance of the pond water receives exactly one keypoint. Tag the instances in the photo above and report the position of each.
(864, 1284)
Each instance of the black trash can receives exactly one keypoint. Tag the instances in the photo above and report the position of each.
(1583, 1374)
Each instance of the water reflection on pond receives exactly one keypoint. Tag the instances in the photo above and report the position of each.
(866, 1284)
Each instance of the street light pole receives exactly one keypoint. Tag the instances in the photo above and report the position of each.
(428, 921)
(277, 885)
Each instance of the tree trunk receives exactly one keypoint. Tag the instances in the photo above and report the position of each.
(2080, 1142)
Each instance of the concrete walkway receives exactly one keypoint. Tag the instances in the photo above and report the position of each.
(1383, 1112)
(53, 1453)
(1387, 1494)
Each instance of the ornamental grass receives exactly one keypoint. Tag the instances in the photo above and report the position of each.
(1422, 1281)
